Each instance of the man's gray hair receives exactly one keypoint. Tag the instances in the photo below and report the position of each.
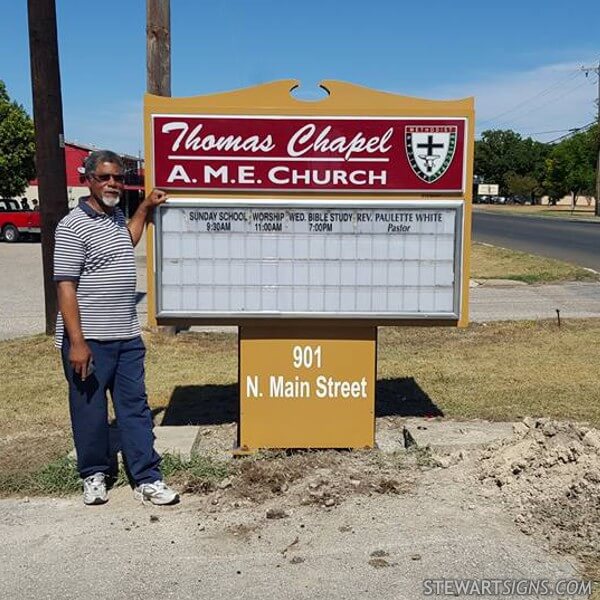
(101, 156)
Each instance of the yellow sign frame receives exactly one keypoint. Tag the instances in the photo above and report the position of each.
(344, 99)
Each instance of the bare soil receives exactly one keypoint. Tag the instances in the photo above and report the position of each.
(302, 478)
(548, 476)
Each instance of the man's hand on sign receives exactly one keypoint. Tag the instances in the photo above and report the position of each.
(152, 200)
(144, 213)
(155, 198)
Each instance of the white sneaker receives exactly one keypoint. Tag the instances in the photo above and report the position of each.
(158, 493)
(94, 489)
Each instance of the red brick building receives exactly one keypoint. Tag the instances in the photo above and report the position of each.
(75, 155)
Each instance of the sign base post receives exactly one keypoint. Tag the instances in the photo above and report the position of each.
(307, 386)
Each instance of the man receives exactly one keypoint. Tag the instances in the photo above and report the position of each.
(99, 333)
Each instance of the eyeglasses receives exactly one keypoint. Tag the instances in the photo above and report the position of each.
(104, 177)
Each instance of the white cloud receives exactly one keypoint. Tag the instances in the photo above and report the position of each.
(548, 98)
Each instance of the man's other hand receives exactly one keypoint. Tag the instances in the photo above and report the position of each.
(79, 358)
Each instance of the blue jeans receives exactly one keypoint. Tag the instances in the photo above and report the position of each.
(119, 369)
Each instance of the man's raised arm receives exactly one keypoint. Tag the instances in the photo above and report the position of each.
(144, 214)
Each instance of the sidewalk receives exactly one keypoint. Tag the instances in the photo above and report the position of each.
(22, 298)
(514, 302)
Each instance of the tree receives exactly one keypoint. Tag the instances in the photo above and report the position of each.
(17, 147)
(502, 154)
(521, 185)
(497, 154)
(554, 180)
(573, 165)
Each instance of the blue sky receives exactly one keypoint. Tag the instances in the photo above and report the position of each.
(519, 59)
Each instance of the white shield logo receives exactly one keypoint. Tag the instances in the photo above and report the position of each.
(430, 149)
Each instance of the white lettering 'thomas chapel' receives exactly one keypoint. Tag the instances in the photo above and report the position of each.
(195, 141)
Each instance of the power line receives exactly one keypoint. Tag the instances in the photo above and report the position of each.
(550, 101)
(572, 132)
(543, 92)
(551, 131)
(514, 122)
(569, 130)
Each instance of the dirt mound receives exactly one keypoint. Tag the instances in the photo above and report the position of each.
(280, 481)
(549, 475)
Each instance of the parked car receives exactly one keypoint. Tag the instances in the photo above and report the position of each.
(16, 222)
(519, 200)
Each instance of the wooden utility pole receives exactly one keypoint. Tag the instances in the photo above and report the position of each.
(598, 140)
(587, 71)
(158, 82)
(158, 47)
(49, 138)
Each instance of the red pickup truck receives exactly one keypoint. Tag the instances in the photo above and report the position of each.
(16, 222)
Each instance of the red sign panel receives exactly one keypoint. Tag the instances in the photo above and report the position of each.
(308, 154)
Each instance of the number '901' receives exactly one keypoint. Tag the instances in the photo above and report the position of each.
(306, 357)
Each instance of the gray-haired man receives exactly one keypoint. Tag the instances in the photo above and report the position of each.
(99, 333)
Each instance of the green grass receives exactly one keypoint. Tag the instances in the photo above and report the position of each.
(498, 371)
(561, 211)
(60, 477)
(492, 262)
(198, 474)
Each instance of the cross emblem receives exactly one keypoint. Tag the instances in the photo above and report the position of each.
(430, 158)
(430, 149)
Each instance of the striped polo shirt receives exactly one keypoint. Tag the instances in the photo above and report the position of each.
(95, 249)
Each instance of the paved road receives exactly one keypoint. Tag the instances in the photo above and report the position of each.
(21, 290)
(572, 241)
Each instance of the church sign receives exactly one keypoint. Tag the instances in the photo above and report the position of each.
(309, 154)
(308, 225)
